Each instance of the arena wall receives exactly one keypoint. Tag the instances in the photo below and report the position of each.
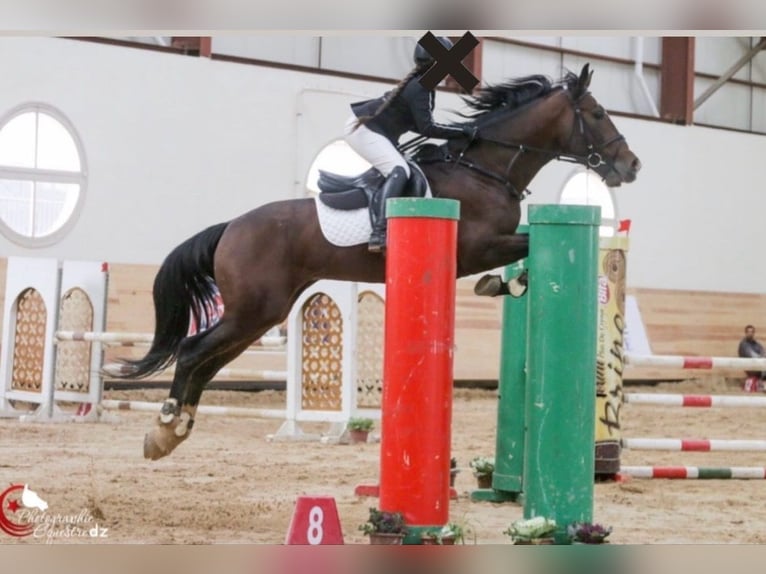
(175, 144)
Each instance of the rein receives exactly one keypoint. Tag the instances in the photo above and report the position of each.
(593, 159)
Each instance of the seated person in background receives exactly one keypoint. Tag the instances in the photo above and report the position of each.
(750, 348)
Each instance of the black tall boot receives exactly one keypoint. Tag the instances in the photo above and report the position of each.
(392, 187)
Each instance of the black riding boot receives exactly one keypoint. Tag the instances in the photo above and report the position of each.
(392, 187)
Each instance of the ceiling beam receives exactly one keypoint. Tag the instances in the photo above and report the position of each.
(729, 74)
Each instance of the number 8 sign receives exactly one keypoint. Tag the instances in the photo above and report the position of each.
(315, 521)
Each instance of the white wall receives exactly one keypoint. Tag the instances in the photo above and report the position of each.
(176, 143)
(173, 143)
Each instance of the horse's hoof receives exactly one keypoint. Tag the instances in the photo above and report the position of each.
(163, 440)
(489, 286)
(152, 448)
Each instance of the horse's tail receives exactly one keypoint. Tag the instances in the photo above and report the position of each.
(184, 287)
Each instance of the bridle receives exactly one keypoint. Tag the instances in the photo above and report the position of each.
(593, 159)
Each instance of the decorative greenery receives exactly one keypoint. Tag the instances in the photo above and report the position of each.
(384, 522)
(588, 533)
(482, 465)
(531, 529)
(451, 530)
(360, 424)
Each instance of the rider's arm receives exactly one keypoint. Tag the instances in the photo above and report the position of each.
(419, 100)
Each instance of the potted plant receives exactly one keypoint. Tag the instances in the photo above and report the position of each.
(537, 530)
(453, 470)
(384, 527)
(588, 533)
(359, 429)
(449, 534)
(483, 468)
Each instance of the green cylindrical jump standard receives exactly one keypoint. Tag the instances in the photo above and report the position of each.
(509, 440)
(561, 363)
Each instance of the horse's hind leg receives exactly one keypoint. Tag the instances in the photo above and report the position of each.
(199, 360)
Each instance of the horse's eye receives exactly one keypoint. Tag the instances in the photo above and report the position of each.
(599, 113)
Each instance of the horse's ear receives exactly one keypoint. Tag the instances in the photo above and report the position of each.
(585, 75)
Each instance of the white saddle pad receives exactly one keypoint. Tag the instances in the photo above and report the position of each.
(344, 228)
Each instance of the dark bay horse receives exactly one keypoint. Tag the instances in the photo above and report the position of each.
(262, 260)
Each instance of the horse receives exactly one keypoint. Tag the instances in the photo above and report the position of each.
(262, 260)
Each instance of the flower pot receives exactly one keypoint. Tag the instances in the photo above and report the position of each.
(484, 480)
(429, 540)
(356, 436)
(536, 541)
(386, 538)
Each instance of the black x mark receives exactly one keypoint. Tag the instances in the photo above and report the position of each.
(448, 61)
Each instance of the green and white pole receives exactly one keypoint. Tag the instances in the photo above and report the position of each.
(561, 363)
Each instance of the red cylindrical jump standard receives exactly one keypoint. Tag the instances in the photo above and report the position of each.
(416, 420)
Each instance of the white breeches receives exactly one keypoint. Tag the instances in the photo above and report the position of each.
(374, 147)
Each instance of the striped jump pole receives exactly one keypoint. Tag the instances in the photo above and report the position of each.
(102, 337)
(416, 413)
(240, 412)
(694, 472)
(693, 444)
(124, 338)
(699, 401)
(231, 372)
(691, 362)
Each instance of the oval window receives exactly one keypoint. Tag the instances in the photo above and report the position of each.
(42, 175)
(336, 157)
(586, 188)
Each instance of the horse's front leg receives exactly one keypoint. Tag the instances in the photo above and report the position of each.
(500, 251)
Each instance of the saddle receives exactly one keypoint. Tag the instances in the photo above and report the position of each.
(355, 192)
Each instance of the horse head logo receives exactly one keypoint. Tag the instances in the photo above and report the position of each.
(30, 499)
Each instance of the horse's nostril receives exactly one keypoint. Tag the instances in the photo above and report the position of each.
(636, 165)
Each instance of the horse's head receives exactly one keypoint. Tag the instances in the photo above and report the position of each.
(591, 137)
(545, 119)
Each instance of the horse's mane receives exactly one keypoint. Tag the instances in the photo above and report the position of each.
(509, 96)
(516, 92)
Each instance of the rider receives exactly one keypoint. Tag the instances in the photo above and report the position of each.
(374, 129)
